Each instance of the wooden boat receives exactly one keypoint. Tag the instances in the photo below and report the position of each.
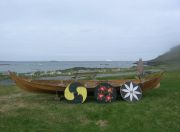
(54, 86)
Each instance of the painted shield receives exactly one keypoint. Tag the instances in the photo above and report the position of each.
(131, 92)
(75, 93)
(105, 93)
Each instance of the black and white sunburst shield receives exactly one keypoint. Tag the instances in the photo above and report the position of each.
(131, 92)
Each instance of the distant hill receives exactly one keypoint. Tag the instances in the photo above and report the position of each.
(170, 57)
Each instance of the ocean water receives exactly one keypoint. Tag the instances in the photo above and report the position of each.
(24, 67)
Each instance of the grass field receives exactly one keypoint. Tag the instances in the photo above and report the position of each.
(159, 110)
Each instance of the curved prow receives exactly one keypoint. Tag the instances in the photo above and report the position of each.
(30, 86)
(18, 81)
(152, 83)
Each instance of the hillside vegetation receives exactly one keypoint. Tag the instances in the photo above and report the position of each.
(170, 57)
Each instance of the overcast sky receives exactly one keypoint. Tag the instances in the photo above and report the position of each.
(87, 29)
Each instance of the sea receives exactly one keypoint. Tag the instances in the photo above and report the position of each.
(33, 66)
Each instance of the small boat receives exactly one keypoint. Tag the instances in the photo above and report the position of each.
(105, 91)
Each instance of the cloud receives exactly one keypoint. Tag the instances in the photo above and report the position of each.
(87, 30)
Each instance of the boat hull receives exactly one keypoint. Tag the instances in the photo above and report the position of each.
(54, 86)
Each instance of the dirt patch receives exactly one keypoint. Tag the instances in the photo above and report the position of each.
(11, 96)
(1, 111)
(84, 121)
(11, 106)
(102, 123)
(10, 103)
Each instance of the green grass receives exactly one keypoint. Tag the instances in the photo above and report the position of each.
(116, 77)
(159, 110)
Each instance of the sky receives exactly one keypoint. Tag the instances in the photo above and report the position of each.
(87, 30)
